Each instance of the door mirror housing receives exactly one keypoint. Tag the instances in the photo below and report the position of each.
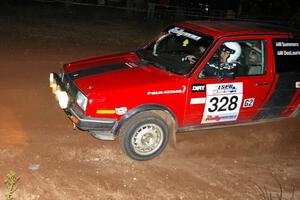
(230, 74)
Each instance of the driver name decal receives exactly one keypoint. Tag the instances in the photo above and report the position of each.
(288, 53)
(286, 44)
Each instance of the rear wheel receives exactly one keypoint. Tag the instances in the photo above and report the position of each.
(144, 136)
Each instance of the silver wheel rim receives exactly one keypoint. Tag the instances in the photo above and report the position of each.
(147, 139)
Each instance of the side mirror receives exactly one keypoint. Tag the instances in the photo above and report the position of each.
(228, 74)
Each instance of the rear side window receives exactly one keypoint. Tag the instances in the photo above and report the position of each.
(287, 55)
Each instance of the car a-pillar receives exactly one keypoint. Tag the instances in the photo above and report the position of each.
(144, 132)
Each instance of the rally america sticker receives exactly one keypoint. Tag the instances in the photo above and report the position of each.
(223, 102)
(220, 118)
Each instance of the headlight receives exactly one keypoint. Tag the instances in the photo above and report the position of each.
(81, 100)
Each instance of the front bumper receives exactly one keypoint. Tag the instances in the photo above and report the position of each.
(83, 122)
(89, 123)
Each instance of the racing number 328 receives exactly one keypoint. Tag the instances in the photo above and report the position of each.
(223, 104)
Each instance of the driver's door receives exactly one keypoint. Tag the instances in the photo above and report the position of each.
(217, 99)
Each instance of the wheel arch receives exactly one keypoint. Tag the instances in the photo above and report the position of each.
(167, 114)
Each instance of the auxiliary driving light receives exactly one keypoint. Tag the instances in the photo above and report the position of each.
(63, 99)
(53, 83)
(51, 78)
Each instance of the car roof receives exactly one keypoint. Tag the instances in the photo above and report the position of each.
(229, 28)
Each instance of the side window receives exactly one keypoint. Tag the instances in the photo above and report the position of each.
(236, 58)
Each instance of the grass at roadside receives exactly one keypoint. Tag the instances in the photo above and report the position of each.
(11, 183)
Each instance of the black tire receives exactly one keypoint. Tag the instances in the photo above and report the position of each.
(144, 136)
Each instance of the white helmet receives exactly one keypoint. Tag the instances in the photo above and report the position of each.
(234, 49)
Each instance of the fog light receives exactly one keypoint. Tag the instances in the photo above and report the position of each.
(51, 78)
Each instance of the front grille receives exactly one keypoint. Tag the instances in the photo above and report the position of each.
(69, 86)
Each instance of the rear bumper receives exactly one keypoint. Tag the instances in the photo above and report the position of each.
(83, 122)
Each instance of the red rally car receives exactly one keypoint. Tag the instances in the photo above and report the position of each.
(192, 75)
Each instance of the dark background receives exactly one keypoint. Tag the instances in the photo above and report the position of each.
(284, 12)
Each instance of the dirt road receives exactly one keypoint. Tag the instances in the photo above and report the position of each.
(54, 161)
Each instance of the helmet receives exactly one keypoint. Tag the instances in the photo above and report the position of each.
(234, 49)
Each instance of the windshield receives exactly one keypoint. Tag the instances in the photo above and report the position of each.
(176, 50)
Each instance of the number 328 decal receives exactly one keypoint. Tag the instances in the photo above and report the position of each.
(223, 102)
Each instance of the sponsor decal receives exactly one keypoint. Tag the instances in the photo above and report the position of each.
(198, 100)
(298, 84)
(180, 32)
(227, 88)
(161, 92)
(121, 110)
(198, 88)
(248, 103)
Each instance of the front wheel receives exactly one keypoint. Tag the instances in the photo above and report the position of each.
(144, 136)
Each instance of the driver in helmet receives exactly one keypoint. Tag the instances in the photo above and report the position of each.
(192, 59)
(227, 60)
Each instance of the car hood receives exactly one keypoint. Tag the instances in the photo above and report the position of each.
(120, 72)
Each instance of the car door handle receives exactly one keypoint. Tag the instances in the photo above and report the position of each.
(262, 84)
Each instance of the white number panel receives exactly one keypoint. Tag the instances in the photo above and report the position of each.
(223, 102)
